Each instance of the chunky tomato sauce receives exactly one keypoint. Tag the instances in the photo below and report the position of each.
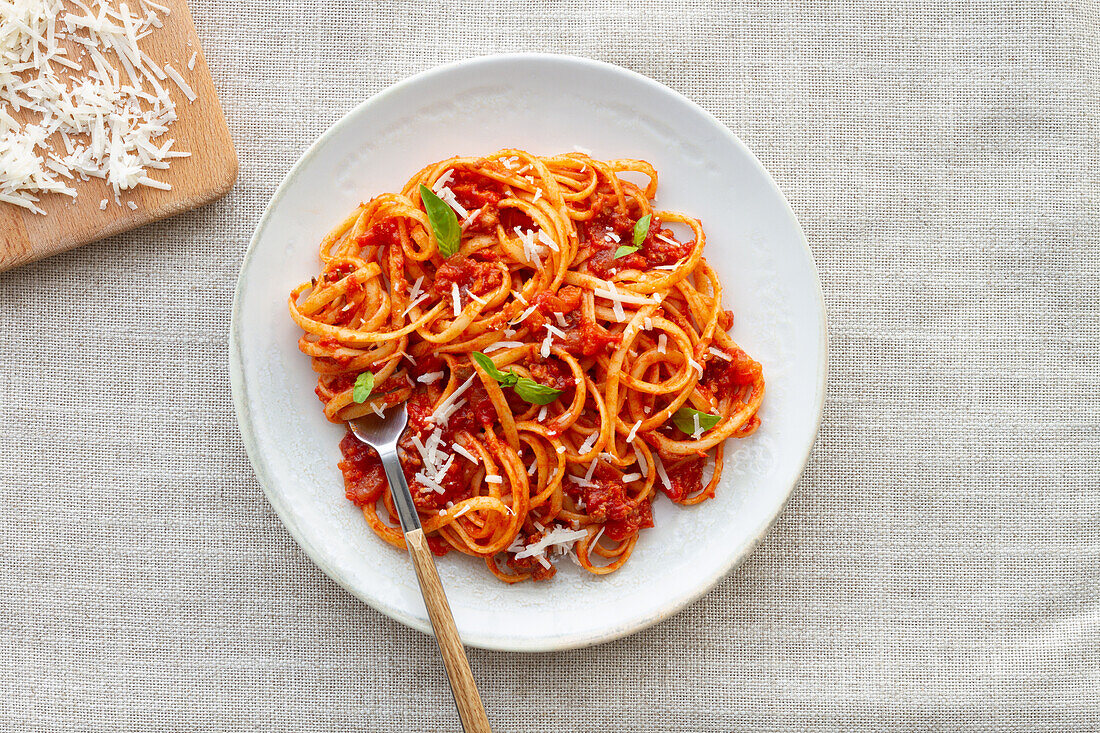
(364, 478)
(551, 372)
(475, 191)
(726, 378)
(338, 272)
(476, 273)
(610, 229)
(582, 336)
(531, 564)
(686, 477)
(606, 501)
(382, 234)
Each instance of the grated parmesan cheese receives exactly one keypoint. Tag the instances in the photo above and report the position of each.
(591, 468)
(181, 83)
(442, 181)
(641, 459)
(464, 453)
(470, 219)
(659, 464)
(86, 121)
(452, 403)
(415, 288)
(544, 238)
(502, 345)
(414, 303)
(456, 301)
(595, 541)
(560, 538)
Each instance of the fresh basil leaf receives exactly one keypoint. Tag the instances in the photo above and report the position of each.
(444, 221)
(364, 385)
(537, 394)
(684, 419)
(506, 379)
(625, 250)
(641, 229)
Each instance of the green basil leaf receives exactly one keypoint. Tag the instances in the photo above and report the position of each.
(641, 229)
(444, 221)
(684, 419)
(507, 379)
(364, 385)
(537, 394)
(625, 250)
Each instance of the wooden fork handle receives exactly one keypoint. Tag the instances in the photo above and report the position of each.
(463, 687)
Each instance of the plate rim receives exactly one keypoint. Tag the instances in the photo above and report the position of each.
(243, 412)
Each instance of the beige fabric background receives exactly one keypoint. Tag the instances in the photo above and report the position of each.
(938, 567)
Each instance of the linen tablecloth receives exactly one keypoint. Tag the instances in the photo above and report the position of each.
(938, 566)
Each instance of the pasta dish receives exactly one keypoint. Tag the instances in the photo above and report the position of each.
(561, 350)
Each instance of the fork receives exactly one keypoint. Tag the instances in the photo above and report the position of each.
(382, 434)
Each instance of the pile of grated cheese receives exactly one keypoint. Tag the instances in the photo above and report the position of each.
(81, 116)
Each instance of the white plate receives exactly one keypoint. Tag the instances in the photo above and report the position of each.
(544, 104)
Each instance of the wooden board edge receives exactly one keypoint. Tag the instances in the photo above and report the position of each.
(126, 223)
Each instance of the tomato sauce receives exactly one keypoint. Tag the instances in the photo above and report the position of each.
(382, 234)
(531, 564)
(475, 191)
(659, 252)
(686, 477)
(606, 501)
(362, 469)
(582, 336)
(609, 220)
(333, 344)
(551, 372)
(726, 378)
(477, 273)
(364, 477)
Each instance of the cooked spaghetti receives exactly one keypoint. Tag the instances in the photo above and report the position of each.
(563, 356)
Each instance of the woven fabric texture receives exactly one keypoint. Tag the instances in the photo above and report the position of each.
(938, 566)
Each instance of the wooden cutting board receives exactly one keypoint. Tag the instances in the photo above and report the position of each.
(204, 177)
